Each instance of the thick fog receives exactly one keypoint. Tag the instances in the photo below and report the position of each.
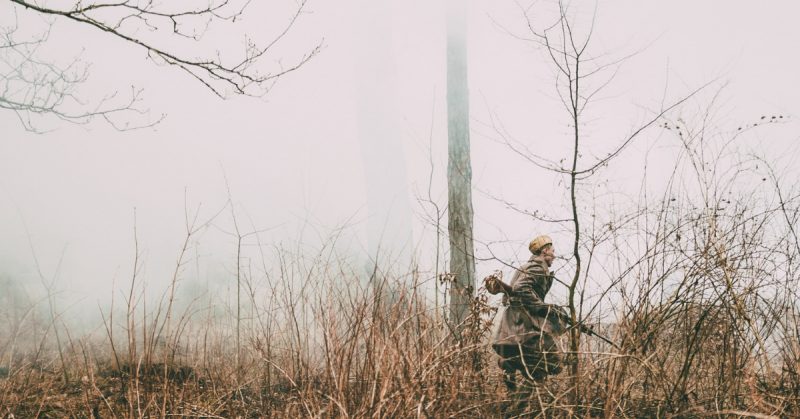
(350, 149)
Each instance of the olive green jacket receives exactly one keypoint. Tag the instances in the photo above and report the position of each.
(526, 315)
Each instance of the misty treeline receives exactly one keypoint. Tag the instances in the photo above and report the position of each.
(695, 282)
(694, 279)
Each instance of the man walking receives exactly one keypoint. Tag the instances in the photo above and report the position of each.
(525, 338)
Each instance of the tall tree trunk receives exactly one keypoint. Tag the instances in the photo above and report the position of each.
(459, 167)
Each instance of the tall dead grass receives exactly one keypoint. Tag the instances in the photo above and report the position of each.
(704, 310)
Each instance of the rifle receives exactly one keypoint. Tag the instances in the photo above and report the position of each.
(494, 285)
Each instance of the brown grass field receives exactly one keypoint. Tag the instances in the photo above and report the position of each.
(354, 355)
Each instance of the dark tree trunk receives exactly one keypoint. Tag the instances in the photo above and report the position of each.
(459, 168)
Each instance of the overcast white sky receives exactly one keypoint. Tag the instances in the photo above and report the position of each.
(294, 157)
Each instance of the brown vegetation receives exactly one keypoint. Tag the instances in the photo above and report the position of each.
(691, 355)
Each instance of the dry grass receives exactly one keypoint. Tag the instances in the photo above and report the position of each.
(703, 302)
(360, 357)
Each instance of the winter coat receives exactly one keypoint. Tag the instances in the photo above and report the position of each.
(527, 318)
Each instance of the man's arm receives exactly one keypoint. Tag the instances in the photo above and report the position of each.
(494, 285)
(525, 294)
(523, 290)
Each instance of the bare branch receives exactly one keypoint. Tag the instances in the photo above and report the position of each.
(639, 130)
(35, 88)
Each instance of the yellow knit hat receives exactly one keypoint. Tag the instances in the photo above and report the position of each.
(539, 243)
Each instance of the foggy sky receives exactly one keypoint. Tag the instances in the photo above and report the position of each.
(295, 164)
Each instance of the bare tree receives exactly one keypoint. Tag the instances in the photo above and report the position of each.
(580, 74)
(36, 86)
(459, 167)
